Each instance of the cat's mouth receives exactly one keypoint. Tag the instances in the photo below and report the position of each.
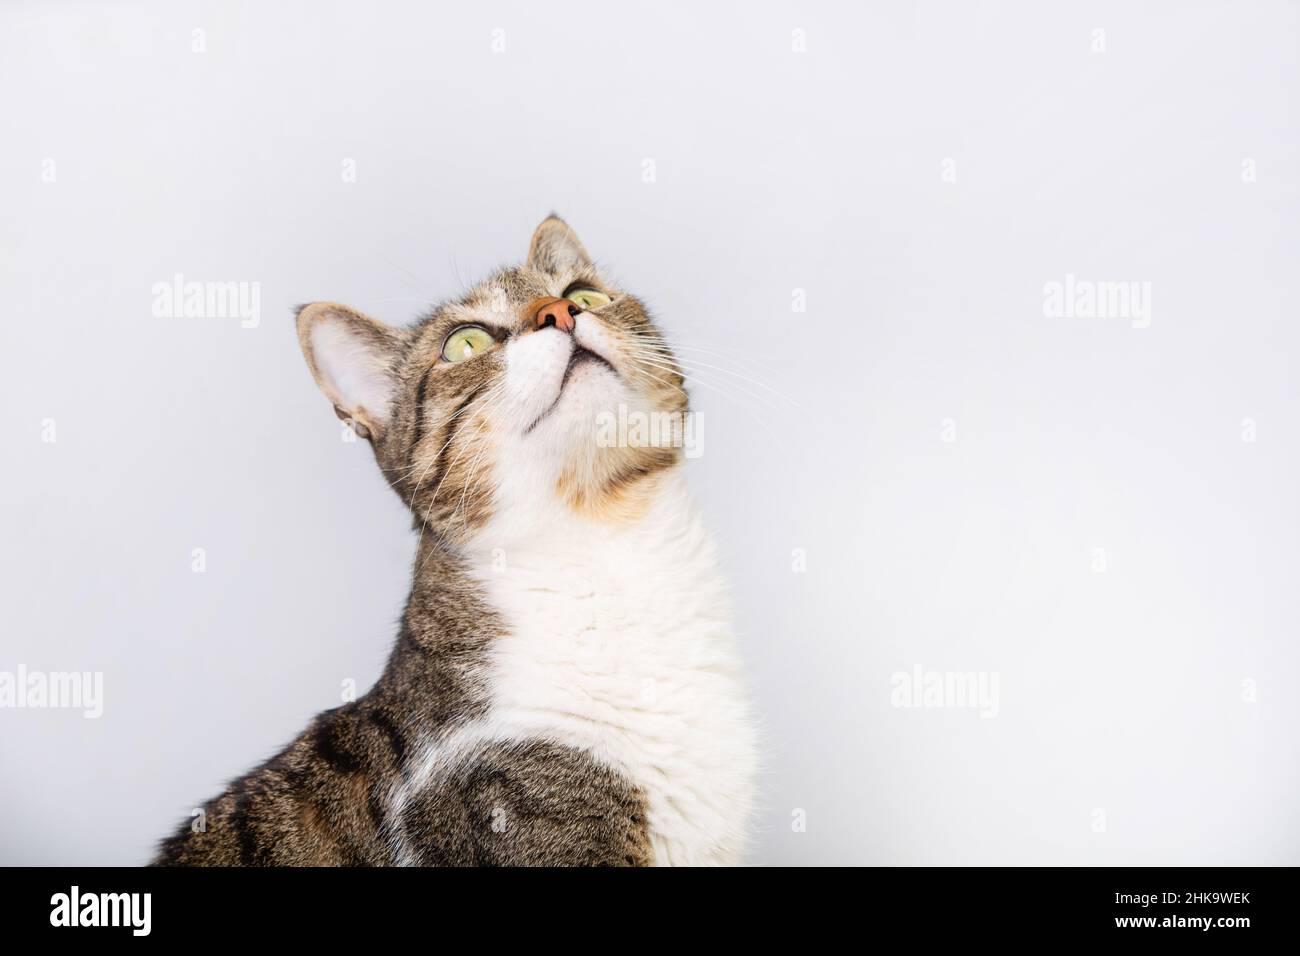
(582, 356)
(579, 357)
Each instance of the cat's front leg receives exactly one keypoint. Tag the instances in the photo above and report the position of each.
(525, 803)
(319, 802)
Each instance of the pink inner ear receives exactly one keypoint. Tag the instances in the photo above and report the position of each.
(352, 370)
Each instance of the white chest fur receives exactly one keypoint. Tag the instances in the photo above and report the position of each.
(620, 643)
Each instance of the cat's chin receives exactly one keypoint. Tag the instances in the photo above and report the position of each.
(589, 387)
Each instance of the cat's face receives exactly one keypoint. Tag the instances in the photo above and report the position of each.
(509, 397)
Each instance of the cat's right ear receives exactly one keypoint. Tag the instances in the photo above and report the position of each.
(353, 359)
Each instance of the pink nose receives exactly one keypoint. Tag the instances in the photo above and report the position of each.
(553, 311)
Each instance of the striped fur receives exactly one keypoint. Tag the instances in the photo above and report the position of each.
(565, 688)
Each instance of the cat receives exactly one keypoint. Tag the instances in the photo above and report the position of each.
(565, 687)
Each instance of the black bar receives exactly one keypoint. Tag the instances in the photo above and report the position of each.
(976, 905)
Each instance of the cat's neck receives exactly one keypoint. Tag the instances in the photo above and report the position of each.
(534, 535)
(544, 546)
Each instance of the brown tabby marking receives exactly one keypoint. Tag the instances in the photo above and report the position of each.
(325, 799)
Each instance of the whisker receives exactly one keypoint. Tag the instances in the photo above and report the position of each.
(695, 363)
(735, 357)
(451, 436)
(749, 411)
(746, 378)
(489, 397)
(692, 375)
(433, 498)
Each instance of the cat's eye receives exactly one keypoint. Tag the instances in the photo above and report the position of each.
(588, 299)
(466, 342)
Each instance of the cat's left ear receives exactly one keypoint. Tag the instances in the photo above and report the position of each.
(556, 247)
(354, 360)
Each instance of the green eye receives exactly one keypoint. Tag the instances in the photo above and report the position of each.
(466, 342)
(588, 299)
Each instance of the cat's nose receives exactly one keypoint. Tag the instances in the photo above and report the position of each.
(553, 312)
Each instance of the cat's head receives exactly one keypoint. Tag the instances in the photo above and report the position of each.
(510, 396)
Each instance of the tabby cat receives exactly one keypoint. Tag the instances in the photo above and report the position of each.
(565, 687)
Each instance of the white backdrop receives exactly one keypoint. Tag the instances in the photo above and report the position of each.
(912, 459)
